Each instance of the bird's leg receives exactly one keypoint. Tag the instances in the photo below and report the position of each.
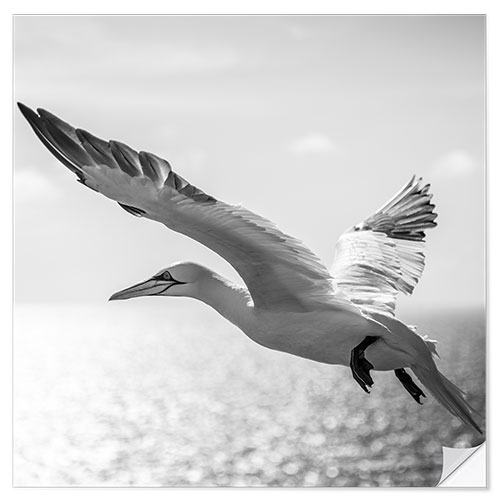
(409, 385)
(360, 366)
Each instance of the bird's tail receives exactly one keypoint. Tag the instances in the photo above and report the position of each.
(420, 351)
(447, 393)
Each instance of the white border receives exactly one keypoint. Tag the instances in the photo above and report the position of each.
(255, 7)
(8, 8)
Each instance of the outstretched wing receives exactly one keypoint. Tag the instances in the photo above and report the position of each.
(384, 254)
(279, 271)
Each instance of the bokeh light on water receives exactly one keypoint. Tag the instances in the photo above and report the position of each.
(171, 395)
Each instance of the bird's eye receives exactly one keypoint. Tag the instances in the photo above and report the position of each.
(166, 276)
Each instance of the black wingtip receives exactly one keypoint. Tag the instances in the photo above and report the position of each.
(21, 106)
(31, 117)
(27, 112)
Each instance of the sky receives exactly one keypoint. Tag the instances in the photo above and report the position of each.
(312, 122)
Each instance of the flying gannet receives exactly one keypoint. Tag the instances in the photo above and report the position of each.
(291, 302)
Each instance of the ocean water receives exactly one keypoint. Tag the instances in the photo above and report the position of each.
(166, 393)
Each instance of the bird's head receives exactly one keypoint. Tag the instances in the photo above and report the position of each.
(177, 280)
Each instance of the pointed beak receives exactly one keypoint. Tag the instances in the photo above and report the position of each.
(148, 287)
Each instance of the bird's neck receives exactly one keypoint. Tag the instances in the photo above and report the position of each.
(229, 300)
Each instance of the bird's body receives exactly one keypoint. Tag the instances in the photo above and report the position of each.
(326, 335)
(291, 302)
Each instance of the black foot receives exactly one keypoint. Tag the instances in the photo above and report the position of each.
(360, 366)
(409, 385)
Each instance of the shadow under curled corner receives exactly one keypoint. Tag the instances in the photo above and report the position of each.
(464, 467)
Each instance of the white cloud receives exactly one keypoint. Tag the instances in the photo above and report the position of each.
(30, 185)
(114, 48)
(313, 144)
(456, 163)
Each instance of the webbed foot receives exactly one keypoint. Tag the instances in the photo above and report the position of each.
(409, 385)
(360, 366)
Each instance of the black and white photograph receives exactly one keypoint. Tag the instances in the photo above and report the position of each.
(270, 271)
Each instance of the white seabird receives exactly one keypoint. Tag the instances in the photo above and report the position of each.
(291, 302)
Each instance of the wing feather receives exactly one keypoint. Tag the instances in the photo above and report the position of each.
(384, 254)
(280, 271)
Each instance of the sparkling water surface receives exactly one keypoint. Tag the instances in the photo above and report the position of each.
(149, 393)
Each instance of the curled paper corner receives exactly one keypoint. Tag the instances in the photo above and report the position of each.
(464, 467)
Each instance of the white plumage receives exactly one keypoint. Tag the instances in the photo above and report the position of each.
(291, 302)
(384, 254)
